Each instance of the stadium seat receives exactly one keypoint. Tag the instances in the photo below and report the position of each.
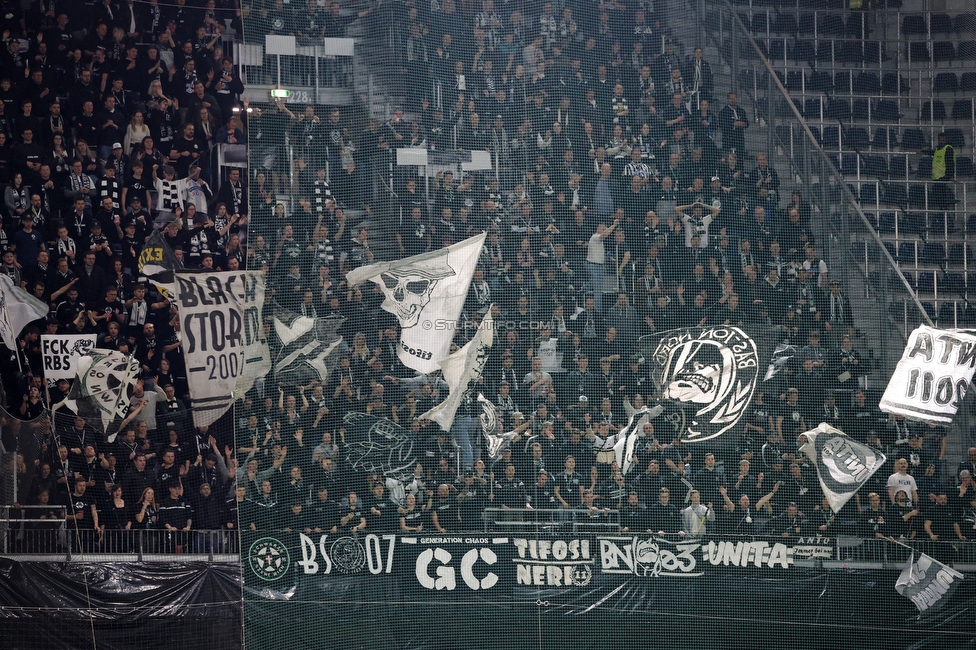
(855, 25)
(914, 222)
(838, 109)
(958, 254)
(811, 108)
(825, 52)
(955, 137)
(914, 25)
(965, 24)
(831, 24)
(966, 51)
(934, 110)
(916, 196)
(918, 52)
(872, 52)
(868, 194)
(831, 137)
(964, 167)
(820, 82)
(906, 253)
(785, 23)
(867, 83)
(842, 82)
(956, 282)
(894, 194)
(943, 51)
(857, 137)
(945, 82)
(925, 282)
(887, 111)
(885, 139)
(760, 24)
(802, 51)
(849, 52)
(875, 166)
(776, 50)
(892, 84)
(933, 253)
(887, 221)
(924, 171)
(940, 24)
(898, 167)
(962, 109)
(848, 165)
(912, 139)
(967, 82)
(807, 24)
(794, 80)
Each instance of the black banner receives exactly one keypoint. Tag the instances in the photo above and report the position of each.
(62, 605)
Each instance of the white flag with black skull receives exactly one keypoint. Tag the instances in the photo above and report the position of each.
(426, 293)
(461, 370)
(843, 464)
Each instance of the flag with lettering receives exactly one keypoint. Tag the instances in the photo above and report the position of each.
(211, 310)
(102, 390)
(843, 464)
(157, 262)
(426, 293)
(461, 371)
(257, 357)
(928, 583)
(931, 378)
(310, 347)
(17, 309)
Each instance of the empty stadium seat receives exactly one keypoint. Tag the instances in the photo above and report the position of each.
(887, 221)
(887, 111)
(918, 51)
(940, 24)
(872, 52)
(955, 137)
(820, 82)
(811, 108)
(892, 84)
(857, 138)
(934, 110)
(831, 137)
(912, 139)
(894, 194)
(868, 194)
(807, 24)
(855, 25)
(916, 196)
(885, 139)
(933, 253)
(831, 24)
(965, 24)
(802, 51)
(966, 51)
(867, 83)
(914, 222)
(875, 166)
(914, 25)
(962, 109)
(964, 167)
(925, 282)
(958, 254)
(759, 24)
(925, 167)
(838, 109)
(967, 82)
(898, 167)
(849, 52)
(943, 51)
(842, 82)
(945, 82)
(785, 23)
(906, 253)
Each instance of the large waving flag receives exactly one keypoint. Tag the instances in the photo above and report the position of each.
(17, 309)
(843, 464)
(426, 293)
(461, 370)
(932, 376)
(102, 389)
(928, 583)
(309, 347)
(496, 442)
(158, 263)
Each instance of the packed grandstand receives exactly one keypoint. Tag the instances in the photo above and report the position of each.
(632, 175)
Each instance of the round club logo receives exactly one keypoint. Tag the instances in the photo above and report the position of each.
(269, 558)
(582, 574)
(348, 555)
(712, 373)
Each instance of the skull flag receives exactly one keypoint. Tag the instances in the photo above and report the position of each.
(426, 293)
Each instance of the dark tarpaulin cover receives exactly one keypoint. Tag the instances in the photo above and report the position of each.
(47, 604)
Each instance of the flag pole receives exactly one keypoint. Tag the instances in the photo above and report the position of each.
(895, 541)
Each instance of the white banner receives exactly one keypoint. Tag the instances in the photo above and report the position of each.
(426, 293)
(843, 464)
(62, 351)
(552, 360)
(257, 357)
(932, 377)
(461, 370)
(17, 309)
(212, 326)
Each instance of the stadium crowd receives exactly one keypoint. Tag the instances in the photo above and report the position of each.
(623, 201)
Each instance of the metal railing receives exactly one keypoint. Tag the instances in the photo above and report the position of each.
(58, 537)
(543, 520)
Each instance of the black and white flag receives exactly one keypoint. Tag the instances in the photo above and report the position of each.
(309, 347)
(932, 376)
(104, 380)
(843, 464)
(627, 438)
(17, 309)
(158, 263)
(928, 583)
(426, 293)
(491, 428)
(461, 370)
(378, 445)
(781, 358)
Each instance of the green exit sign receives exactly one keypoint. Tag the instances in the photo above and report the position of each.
(280, 93)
